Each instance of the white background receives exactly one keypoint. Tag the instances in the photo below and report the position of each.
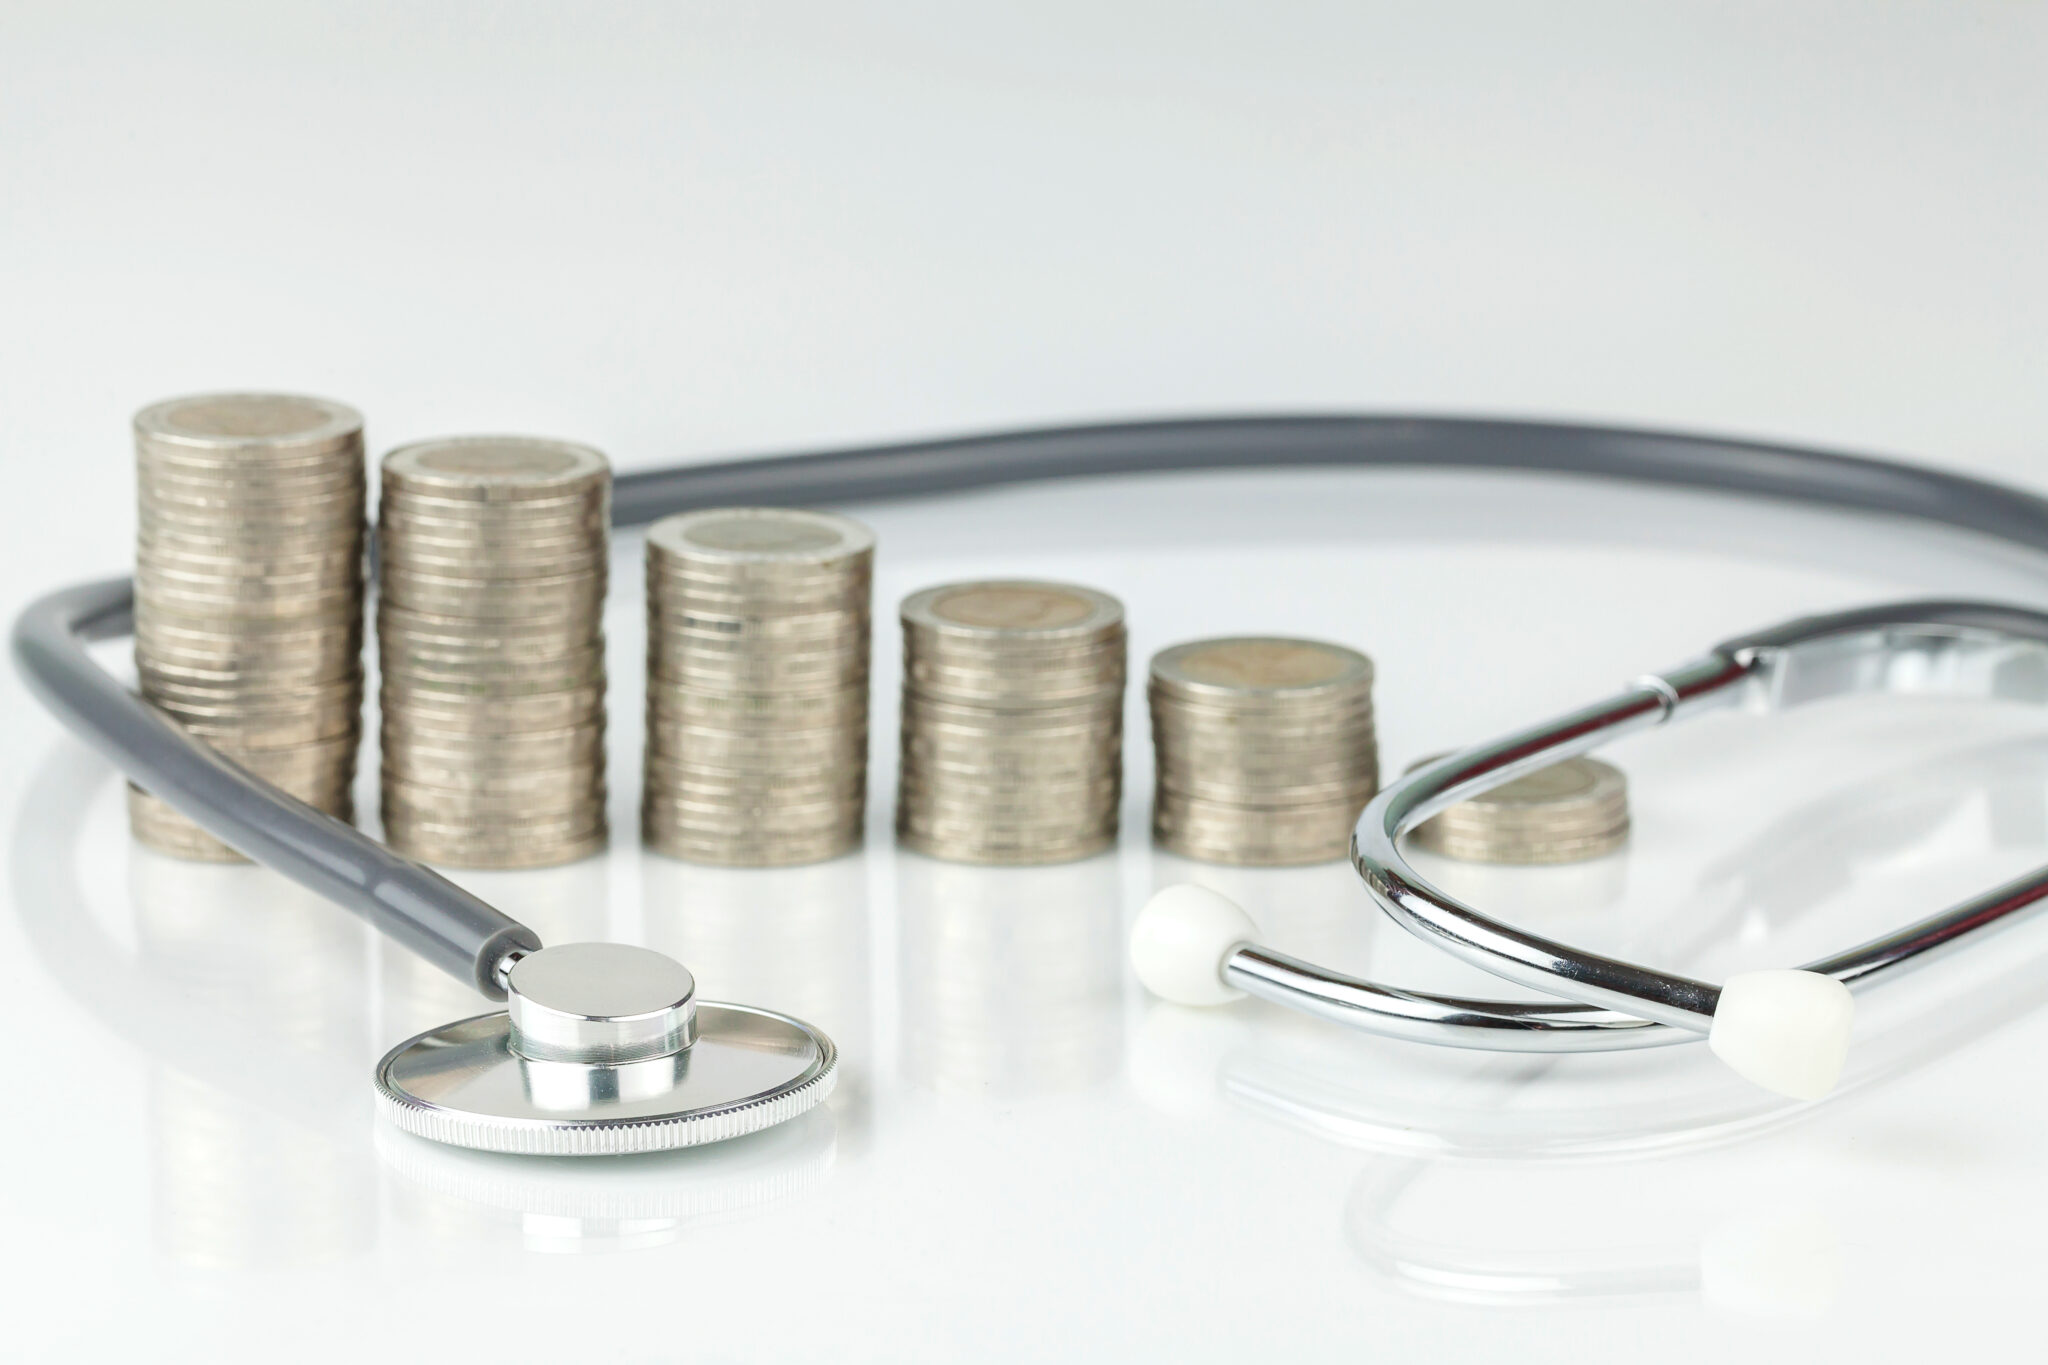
(686, 230)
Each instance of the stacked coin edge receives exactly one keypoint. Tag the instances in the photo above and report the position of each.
(759, 630)
(493, 560)
(249, 593)
(1012, 729)
(1516, 824)
(1265, 749)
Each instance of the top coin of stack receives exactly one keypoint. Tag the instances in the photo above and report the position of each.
(493, 552)
(1565, 813)
(1264, 749)
(758, 635)
(249, 592)
(1012, 722)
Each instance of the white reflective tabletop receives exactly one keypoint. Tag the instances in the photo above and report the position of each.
(1027, 1157)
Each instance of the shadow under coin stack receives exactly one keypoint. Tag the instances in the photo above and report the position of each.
(493, 552)
(1264, 749)
(758, 628)
(249, 594)
(1565, 813)
(1012, 722)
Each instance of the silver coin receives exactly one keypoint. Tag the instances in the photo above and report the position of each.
(494, 563)
(261, 424)
(1568, 812)
(1012, 734)
(494, 469)
(764, 756)
(1006, 612)
(409, 676)
(960, 843)
(578, 753)
(248, 608)
(486, 808)
(1265, 749)
(757, 669)
(838, 709)
(1255, 836)
(578, 596)
(753, 851)
(752, 814)
(721, 538)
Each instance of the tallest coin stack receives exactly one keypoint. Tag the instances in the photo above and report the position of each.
(249, 593)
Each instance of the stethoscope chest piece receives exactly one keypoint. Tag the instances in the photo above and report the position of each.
(603, 1050)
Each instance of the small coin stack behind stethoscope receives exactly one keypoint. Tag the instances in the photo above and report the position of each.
(492, 566)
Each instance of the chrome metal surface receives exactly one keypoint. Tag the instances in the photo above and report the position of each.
(1954, 649)
(1448, 1021)
(464, 1084)
(604, 1003)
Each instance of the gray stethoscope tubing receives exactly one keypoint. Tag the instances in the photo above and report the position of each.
(467, 938)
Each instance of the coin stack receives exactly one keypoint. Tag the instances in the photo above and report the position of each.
(757, 685)
(1012, 722)
(1264, 749)
(492, 556)
(1565, 813)
(249, 593)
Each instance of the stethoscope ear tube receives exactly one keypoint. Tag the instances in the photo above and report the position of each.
(426, 912)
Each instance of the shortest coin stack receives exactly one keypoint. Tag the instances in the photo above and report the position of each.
(1012, 722)
(1565, 813)
(1264, 749)
(758, 630)
(492, 561)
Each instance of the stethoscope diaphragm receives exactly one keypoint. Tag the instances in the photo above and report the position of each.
(604, 1050)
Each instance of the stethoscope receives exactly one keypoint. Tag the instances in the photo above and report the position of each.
(604, 1048)
(1787, 1030)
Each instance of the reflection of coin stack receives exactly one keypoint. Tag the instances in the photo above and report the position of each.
(1265, 751)
(1012, 722)
(757, 685)
(250, 1171)
(491, 577)
(1012, 980)
(1564, 813)
(249, 593)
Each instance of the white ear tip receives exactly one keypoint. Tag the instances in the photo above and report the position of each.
(1786, 1030)
(1180, 940)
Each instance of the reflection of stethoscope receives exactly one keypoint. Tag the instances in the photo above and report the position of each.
(274, 1062)
(1360, 1099)
(605, 1049)
(1755, 1258)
